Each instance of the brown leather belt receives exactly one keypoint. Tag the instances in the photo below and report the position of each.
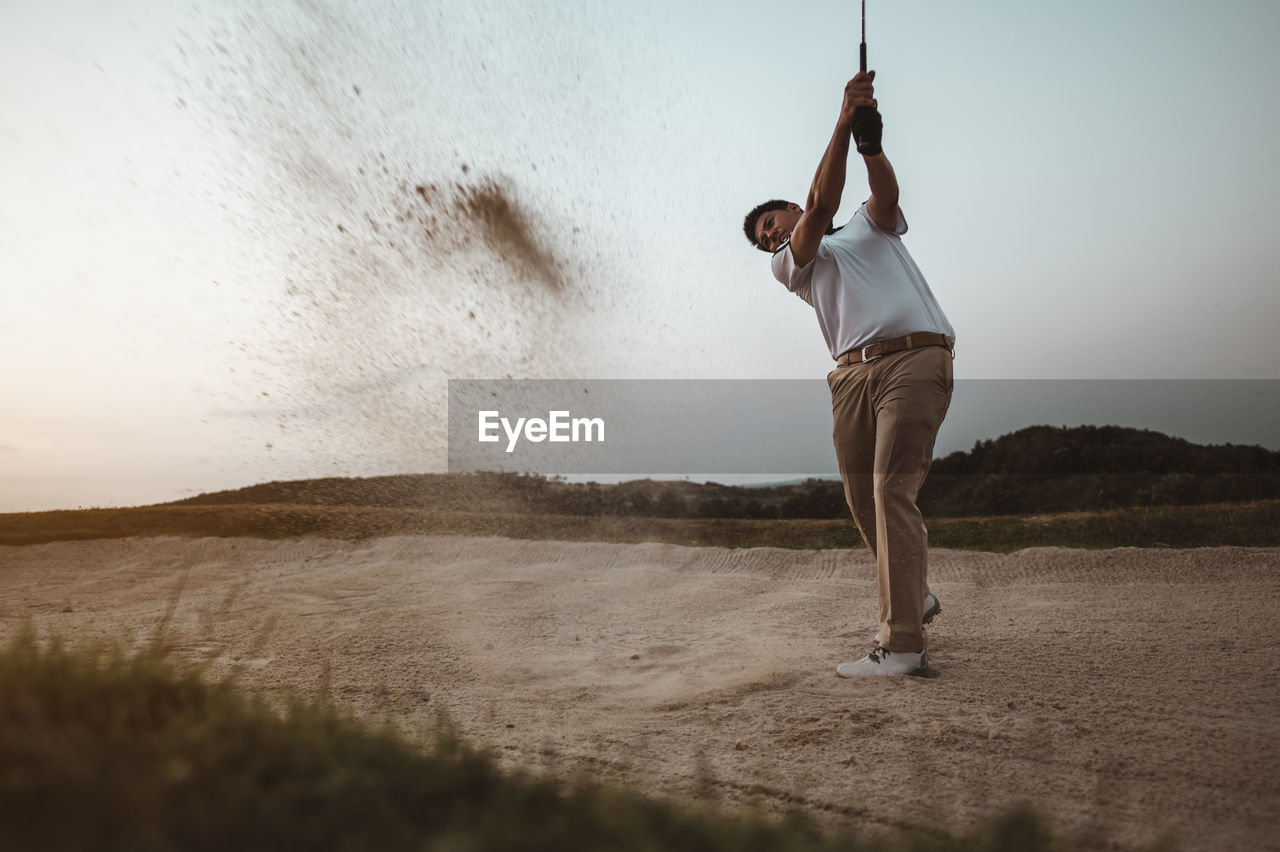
(886, 347)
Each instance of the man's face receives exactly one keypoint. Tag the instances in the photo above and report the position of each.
(775, 226)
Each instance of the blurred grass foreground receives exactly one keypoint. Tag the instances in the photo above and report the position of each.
(102, 749)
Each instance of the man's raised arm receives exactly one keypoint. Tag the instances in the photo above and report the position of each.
(828, 184)
(882, 206)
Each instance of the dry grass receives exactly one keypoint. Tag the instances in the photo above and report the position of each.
(1243, 524)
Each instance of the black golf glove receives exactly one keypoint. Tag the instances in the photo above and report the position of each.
(868, 127)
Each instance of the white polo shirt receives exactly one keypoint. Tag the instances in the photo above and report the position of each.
(863, 285)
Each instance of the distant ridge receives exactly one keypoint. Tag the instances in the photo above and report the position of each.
(1104, 449)
(1035, 469)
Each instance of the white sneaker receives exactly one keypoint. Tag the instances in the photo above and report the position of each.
(932, 606)
(882, 661)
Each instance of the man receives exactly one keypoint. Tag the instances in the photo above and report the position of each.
(892, 383)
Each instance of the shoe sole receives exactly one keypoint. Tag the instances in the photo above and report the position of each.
(933, 612)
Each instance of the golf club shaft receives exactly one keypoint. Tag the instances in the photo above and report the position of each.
(862, 48)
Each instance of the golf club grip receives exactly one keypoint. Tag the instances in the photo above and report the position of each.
(862, 66)
(862, 144)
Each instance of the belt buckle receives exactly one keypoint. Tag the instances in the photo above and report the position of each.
(863, 353)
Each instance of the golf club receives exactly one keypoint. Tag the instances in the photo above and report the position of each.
(864, 145)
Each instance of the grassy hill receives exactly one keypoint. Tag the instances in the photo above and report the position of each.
(1035, 470)
(1083, 487)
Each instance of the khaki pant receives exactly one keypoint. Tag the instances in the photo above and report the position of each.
(887, 412)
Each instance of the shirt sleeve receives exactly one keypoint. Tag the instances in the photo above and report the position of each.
(899, 229)
(797, 279)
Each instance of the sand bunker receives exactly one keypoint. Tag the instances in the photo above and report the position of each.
(1132, 692)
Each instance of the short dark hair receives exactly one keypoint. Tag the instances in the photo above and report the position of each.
(749, 223)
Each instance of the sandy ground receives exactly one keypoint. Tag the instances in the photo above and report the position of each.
(1132, 693)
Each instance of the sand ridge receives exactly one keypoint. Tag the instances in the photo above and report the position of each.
(1130, 692)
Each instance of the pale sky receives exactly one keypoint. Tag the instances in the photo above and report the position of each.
(1090, 188)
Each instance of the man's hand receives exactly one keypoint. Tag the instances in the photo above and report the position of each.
(858, 92)
(828, 184)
